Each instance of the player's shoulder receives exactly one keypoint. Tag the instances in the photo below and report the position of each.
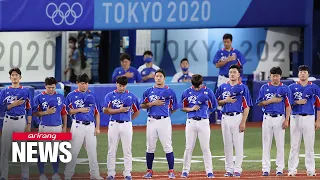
(187, 90)
(133, 68)
(142, 67)
(59, 95)
(155, 67)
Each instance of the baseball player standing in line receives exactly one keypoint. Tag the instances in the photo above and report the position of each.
(274, 97)
(50, 107)
(302, 121)
(198, 102)
(223, 59)
(3, 107)
(235, 99)
(160, 102)
(123, 107)
(85, 126)
(19, 105)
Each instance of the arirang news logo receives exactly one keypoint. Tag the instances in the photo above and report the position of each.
(41, 147)
(64, 13)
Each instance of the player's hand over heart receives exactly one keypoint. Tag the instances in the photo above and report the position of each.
(231, 58)
(84, 110)
(151, 75)
(159, 102)
(230, 99)
(242, 127)
(285, 124)
(96, 131)
(129, 74)
(317, 125)
(124, 109)
(301, 101)
(51, 110)
(276, 99)
(18, 102)
(195, 108)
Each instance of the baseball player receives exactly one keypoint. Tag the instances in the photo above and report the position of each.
(18, 117)
(198, 102)
(50, 107)
(132, 73)
(148, 68)
(235, 99)
(123, 107)
(81, 105)
(274, 97)
(305, 100)
(160, 102)
(223, 59)
(2, 113)
(184, 75)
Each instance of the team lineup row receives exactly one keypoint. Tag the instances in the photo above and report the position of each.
(279, 102)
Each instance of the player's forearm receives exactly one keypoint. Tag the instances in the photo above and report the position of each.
(29, 119)
(187, 109)
(64, 120)
(40, 113)
(111, 111)
(145, 78)
(73, 111)
(146, 105)
(97, 117)
(288, 112)
(221, 63)
(135, 115)
(318, 116)
(10, 106)
(222, 102)
(265, 103)
(245, 114)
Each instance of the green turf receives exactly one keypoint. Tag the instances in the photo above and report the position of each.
(252, 149)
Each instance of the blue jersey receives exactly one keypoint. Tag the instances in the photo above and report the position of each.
(2, 110)
(41, 104)
(223, 54)
(75, 99)
(145, 71)
(115, 99)
(189, 99)
(9, 94)
(312, 102)
(268, 91)
(120, 71)
(243, 100)
(153, 94)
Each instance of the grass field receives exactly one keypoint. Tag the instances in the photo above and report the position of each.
(252, 152)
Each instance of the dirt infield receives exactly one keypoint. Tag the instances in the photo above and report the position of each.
(182, 127)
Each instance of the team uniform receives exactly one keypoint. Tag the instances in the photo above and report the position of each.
(15, 120)
(302, 123)
(273, 118)
(232, 114)
(180, 76)
(145, 71)
(50, 123)
(120, 71)
(82, 129)
(223, 54)
(159, 125)
(198, 125)
(120, 128)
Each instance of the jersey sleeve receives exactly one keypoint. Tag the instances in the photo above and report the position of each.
(114, 75)
(3, 105)
(63, 111)
(29, 103)
(140, 69)
(261, 95)
(75, 55)
(184, 100)
(145, 98)
(175, 78)
(174, 104)
(135, 105)
(240, 58)
(288, 98)
(217, 57)
(68, 102)
(219, 93)
(246, 98)
(107, 101)
(138, 76)
(212, 103)
(36, 104)
(317, 97)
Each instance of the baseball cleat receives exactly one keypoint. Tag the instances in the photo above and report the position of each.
(127, 178)
(184, 175)
(265, 174)
(237, 174)
(56, 177)
(171, 174)
(228, 174)
(210, 175)
(291, 173)
(279, 174)
(149, 174)
(43, 177)
(311, 173)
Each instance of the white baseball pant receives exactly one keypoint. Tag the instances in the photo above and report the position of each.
(302, 126)
(272, 126)
(119, 131)
(232, 137)
(83, 134)
(49, 129)
(200, 129)
(162, 129)
(10, 126)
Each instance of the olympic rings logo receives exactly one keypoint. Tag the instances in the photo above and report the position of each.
(64, 15)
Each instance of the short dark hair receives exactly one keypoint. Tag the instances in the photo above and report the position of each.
(17, 70)
(235, 67)
(196, 80)
(125, 56)
(148, 53)
(303, 68)
(160, 71)
(227, 36)
(83, 78)
(72, 39)
(184, 59)
(50, 81)
(123, 80)
(276, 70)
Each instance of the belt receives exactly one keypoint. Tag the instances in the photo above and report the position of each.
(198, 118)
(304, 114)
(273, 115)
(158, 117)
(119, 121)
(14, 117)
(231, 113)
(83, 122)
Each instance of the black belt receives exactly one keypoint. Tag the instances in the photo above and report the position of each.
(158, 117)
(198, 118)
(84, 122)
(231, 113)
(119, 121)
(14, 117)
(273, 115)
(304, 114)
